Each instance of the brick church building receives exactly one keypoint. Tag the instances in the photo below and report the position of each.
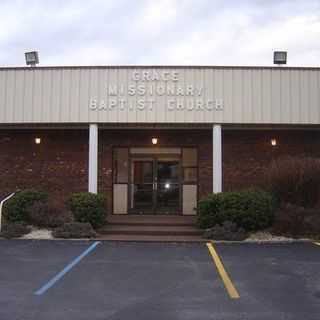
(154, 140)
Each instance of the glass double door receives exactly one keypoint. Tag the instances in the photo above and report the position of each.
(155, 185)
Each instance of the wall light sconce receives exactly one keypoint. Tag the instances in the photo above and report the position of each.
(154, 140)
(273, 142)
(37, 140)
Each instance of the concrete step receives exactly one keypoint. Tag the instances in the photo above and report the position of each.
(150, 238)
(157, 230)
(151, 220)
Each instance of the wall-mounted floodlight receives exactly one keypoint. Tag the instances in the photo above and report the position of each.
(32, 58)
(280, 57)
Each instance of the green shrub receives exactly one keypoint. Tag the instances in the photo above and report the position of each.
(14, 230)
(16, 209)
(75, 230)
(251, 209)
(88, 207)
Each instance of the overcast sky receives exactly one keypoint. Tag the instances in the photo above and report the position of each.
(160, 32)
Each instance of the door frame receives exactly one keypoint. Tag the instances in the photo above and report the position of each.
(131, 209)
(128, 147)
(154, 158)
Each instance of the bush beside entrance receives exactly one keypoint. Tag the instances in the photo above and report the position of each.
(249, 209)
(295, 180)
(14, 230)
(227, 231)
(74, 230)
(31, 207)
(88, 208)
(16, 209)
(295, 183)
(47, 215)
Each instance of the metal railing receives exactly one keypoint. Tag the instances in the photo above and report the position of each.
(1, 206)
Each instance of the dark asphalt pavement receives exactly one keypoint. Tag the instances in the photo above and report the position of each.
(158, 281)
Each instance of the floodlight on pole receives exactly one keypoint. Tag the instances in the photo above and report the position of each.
(280, 57)
(32, 58)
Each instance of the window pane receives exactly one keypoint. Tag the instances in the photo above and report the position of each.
(189, 174)
(120, 167)
(143, 172)
(168, 171)
(189, 157)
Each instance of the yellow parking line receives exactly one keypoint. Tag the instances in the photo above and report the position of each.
(233, 293)
(317, 243)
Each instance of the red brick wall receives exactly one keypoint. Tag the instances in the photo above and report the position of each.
(60, 163)
(247, 154)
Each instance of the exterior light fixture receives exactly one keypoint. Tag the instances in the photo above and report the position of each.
(37, 140)
(32, 58)
(273, 142)
(154, 140)
(280, 57)
(167, 185)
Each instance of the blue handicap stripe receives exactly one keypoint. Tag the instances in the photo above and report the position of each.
(57, 277)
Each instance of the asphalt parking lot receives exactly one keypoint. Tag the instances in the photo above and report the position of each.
(114, 280)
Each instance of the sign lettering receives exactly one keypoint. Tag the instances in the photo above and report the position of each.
(147, 87)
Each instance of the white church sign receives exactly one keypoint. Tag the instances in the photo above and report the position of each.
(146, 86)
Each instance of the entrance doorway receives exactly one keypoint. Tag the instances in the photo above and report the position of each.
(157, 180)
(155, 185)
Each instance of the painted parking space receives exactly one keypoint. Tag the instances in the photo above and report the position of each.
(25, 266)
(149, 281)
(158, 281)
(231, 289)
(28, 263)
(275, 279)
(66, 269)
